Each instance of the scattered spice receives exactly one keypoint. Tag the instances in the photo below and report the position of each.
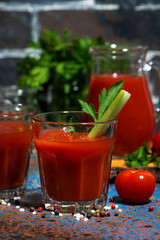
(102, 213)
(113, 206)
(83, 213)
(89, 214)
(97, 214)
(16, 202)
(57, 212)
(112, 199)
(31, 209)
(116, 213)
(151, 208)
(108, 214)
(43, 215)
(98, 207)
(40, 209)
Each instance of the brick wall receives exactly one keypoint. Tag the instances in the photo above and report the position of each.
(118, 21)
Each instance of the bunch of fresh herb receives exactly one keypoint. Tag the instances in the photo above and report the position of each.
(142, 157)
(64, 64)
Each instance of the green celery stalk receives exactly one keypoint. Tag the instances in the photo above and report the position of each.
(111, 113)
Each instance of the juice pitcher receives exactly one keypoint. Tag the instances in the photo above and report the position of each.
(137, 120)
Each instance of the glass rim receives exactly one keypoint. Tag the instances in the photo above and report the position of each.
(21, 107)
(35, 118)
(119, 48)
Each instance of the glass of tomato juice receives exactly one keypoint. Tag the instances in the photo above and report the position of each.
(74, 168)
(15, 147)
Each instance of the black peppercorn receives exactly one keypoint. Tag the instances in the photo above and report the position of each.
(116, 213)
(31, 209)
(16, 202)
(83, 213)
(112, 199)
(98, 207)
(102, 214)
(57, 212)
(89, 214)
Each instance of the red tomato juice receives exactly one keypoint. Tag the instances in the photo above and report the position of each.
(136, 121)
(72, 166)
(15, 141)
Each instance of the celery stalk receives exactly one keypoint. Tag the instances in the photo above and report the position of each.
(111, 113)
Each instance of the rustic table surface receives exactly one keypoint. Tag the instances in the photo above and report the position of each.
(133, 221)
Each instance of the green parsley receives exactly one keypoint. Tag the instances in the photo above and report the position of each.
(142, 157)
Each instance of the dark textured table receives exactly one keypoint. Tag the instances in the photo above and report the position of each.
(132, 222)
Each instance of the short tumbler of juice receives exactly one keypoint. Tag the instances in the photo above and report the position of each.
(15, 146)
(74, 167)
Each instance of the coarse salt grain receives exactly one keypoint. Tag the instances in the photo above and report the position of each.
(17, 206)
(93, 211)
(78, 216)
(60, 214)
(85, 219)
(16, 198)
(34, 212)
(3, 202)
(120, 210)
(107, 208)
(8, 204)
(116, 206)
(22, 210)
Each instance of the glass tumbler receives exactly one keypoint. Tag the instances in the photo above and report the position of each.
(74, 166)
(15, 146)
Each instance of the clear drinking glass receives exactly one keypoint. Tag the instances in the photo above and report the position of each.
(74, 167)
(15, 146)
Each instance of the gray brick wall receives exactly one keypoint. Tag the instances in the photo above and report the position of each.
(118, 21)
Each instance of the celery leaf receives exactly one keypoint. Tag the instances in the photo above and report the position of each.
(88, 108)
(105, 99)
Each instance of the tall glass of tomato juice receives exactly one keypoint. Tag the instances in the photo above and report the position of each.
(136, 121)
(15, 147)
(74, 168)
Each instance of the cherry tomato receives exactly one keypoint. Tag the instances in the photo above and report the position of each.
(156, 143)
(135, 186)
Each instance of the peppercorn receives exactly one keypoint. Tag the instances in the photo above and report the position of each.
(97, 214)
(151, 208)
(83, 213)
(31, 209)
(113, 206)
(108, 214)
(40, 209)
(98, 207)
(112, 199)
(16, 202)
(116, 213)
(94, 213)
(102, 214)
(89, 214)
(43, 215)
(57, 212)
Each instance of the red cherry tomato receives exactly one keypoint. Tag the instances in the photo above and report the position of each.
(156, 143)
(135, 186)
